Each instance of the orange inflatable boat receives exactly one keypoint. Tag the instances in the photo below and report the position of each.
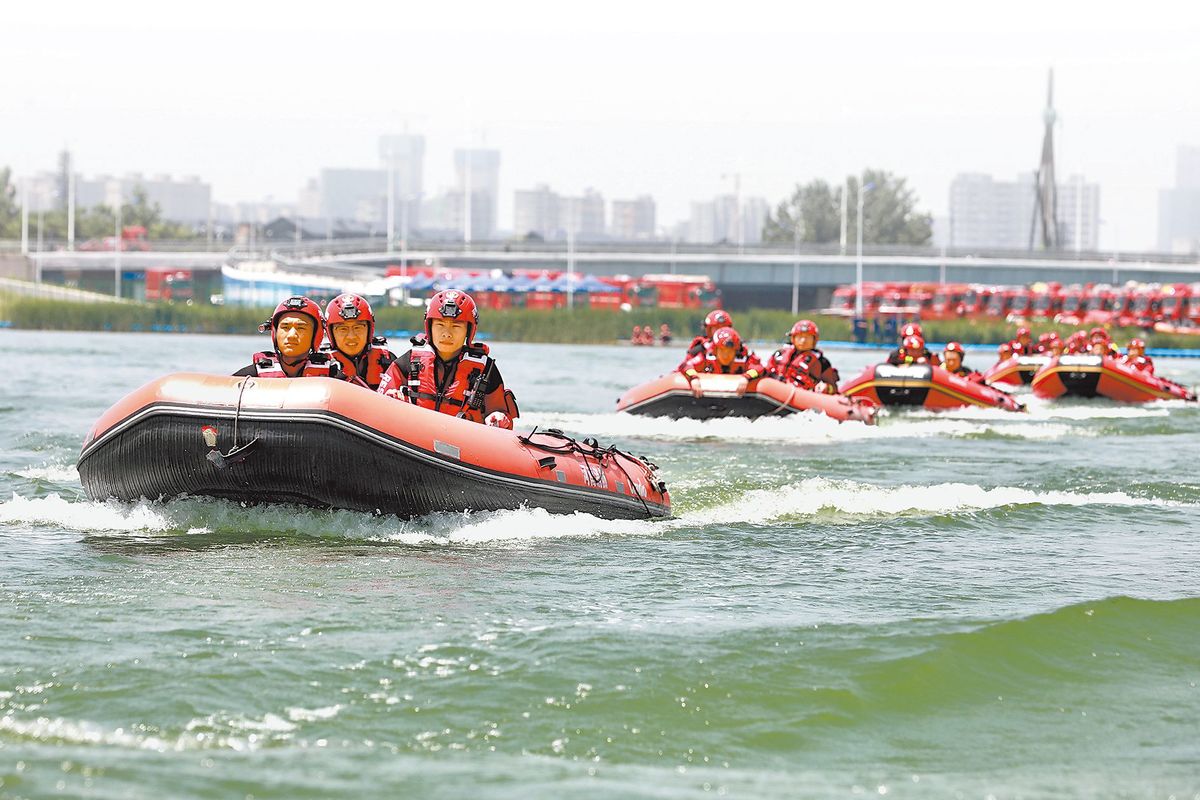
(327, 443)
(1099, 376)
(927, 386)
(1016, 370)
(733, 396)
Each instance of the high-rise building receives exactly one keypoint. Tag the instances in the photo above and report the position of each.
(633, 220)
(404, 156)
(536, 211)
(1179, 207)
(478, 173)
(583, 217)
(990, 214)
(725, 220)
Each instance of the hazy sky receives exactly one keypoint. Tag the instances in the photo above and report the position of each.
(669, 99)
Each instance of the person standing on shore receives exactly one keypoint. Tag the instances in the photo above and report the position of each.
(297, 329)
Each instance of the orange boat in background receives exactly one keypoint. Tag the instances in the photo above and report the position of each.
(331, 444)
(927, 386)
(733, 396)
(1100, 376)
(1015, 371)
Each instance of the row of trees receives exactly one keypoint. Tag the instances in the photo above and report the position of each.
(90, 223)
(815, 212)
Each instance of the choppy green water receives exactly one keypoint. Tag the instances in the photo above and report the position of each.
(966, 605)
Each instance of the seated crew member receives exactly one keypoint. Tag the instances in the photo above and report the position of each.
(717, 318)
(1101, 344)
(664, 334)
(1135, 355)
(724, 355)
(1044, 343)
(353, 344)
(802, 363)
(1023, 344)
(1076, 343)
(952, 361)
(913, 351)
(1055, 347)
(448, 371)
(1004, 351)
(297, 329)
(636, 336)
(899, 355)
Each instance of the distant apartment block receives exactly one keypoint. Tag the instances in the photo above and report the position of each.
(583, 217)
(545, 213)
(478, 174)
(536, 212)
(990, 214)
(188, 200)
(1179, 207)
(361, 194)
(633, 220)
(725, 220)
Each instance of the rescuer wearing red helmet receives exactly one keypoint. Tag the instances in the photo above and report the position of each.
(901, 356)
(297, 329)
(913, 351)
(725, 354)
(801, 362)
(717, 318)
(1023, 344)
(353, 344)
(1135, 355)
(448, 371)
(952, 361)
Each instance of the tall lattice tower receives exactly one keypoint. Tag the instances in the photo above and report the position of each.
(1045, 202)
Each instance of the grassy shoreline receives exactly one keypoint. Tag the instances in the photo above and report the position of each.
(581, 326)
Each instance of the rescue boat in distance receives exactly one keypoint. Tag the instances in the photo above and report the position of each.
(327, 443)
(927, 386)
(1099, 376)
(1015, 371)
(721, 396)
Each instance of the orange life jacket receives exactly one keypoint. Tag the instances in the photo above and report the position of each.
(318, 365)
(452, 397)
(368, 368)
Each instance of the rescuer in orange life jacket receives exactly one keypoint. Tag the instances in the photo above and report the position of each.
(801, 362)
(297, 329)
(353, 344)
(724, 355)
(448, 372)
(902, 356)
(717, 318)
(952, 361)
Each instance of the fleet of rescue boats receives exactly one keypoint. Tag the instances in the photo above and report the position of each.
(323, 442)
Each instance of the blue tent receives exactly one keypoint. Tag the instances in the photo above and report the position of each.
(590, 283)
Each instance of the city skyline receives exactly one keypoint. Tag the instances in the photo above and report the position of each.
(666, 107)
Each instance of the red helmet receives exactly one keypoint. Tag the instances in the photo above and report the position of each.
(912, 329)
(1098, 333)
(805, 326)
(914, 344)
(1005, 349)
(297, 305)
(1023, 332)
(726, 337)
(718, 318)
(1046, 338)
(452, 304)
(1137, 343)
(955, 347)
(346, 307)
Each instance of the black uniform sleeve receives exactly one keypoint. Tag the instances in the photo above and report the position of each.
(250, 371)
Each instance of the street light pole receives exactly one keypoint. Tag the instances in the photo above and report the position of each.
(117, 249)
(858, 269)
(391, 198)
(796, 269)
